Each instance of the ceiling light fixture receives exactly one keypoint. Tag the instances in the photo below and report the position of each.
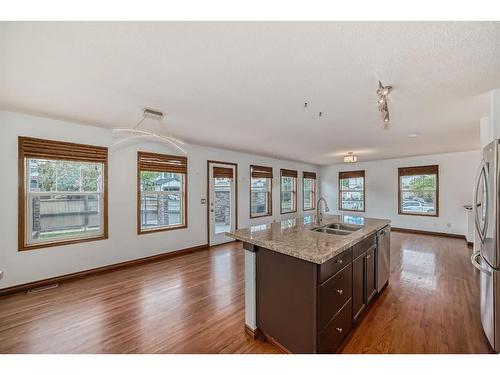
(135, 132)
(350, 158)
(383, 93)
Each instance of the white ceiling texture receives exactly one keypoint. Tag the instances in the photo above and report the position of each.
(243, 85)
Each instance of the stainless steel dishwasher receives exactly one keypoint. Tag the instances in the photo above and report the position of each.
(383, 257)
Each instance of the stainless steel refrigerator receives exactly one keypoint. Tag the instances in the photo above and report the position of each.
(486, 255)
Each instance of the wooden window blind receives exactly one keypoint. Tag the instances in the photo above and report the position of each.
(151, 162)
(221, 172)
(289, 173)
(257, 171)
(411, 171)
(309, 175)
(47, 149)
(351, 174)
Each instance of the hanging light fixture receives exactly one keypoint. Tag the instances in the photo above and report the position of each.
(350, 158)
(383, 93)
(135, 132)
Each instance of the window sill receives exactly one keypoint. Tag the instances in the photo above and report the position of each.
(343, 209)
(259, 216)
(422, 215)
(61, 243)
(163, 229)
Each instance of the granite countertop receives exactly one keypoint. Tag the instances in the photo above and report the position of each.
(293, 236)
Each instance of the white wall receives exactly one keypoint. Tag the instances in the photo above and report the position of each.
(123, 243)
(456, 177)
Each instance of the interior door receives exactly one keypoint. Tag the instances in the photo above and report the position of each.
(222, 210)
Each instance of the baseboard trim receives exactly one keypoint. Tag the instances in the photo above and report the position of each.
(93, 271)
(253, 333)
(428, 233)
(276, 344)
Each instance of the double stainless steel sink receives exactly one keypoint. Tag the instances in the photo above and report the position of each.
(338, 228)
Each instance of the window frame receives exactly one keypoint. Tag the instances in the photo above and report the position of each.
(351, 174)
(184, 193)
(415, 171)
(269, 171)
(291, 174)
(44, 149)
(309, 176)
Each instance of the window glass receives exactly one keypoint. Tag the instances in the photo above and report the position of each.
(418, 194)
(64, 200)
(162, 200)
(352, 194)
(223, 204)
(288, 194)
(309, 197)
(260, 196)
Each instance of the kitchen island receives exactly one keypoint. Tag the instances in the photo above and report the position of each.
(308, 283)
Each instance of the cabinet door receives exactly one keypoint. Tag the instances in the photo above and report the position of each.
(371, 277)
(358, 286)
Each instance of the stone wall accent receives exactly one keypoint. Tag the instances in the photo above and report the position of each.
(222, 207)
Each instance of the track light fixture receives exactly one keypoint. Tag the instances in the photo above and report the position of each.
(383, 93)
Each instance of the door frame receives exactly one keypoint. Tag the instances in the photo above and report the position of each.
(235, 165)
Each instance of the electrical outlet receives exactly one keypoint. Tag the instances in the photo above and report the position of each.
(203, 201)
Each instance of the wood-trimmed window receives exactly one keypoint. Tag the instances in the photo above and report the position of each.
(288, 191)
(418, 190)
(352, 191)
(63, 193)
(308, 191)
(161, 192)
(261, 191)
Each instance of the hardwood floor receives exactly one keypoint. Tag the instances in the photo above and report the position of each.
(195, 304)
(431, 304)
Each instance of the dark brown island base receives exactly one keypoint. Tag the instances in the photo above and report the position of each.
(311, 306)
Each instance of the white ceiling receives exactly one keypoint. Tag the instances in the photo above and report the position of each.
(242, 85)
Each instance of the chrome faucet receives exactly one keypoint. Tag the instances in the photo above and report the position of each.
(319, 214)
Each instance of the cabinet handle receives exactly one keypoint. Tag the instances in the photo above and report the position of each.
(339, 330)
(339, 261)
(339, 291)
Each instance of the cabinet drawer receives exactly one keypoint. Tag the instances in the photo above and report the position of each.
(333, 294)
(334, 265)
(362, 246)
(335, 332)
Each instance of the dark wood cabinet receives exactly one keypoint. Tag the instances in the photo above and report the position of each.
(331, 337)
(333, 294)
(311, 308)
(364, 277)
(371, 276)
(358, 286)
